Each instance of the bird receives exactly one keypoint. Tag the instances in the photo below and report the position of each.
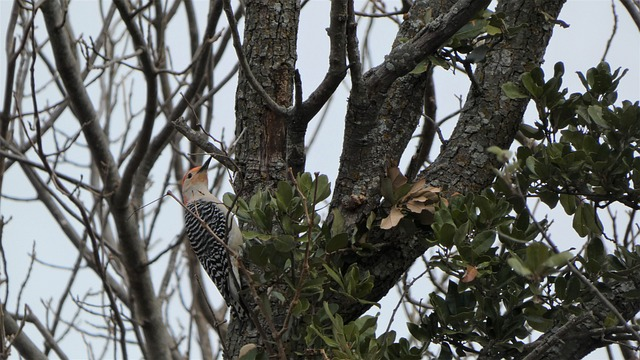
(204, 207)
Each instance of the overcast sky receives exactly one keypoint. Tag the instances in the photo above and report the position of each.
(580, 47)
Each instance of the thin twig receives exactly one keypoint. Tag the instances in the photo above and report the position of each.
(244, 64)
(613, 31)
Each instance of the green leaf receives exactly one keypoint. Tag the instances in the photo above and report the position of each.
(610, 321)
(501, 154)
(478, 54)
(512, 91)
(559, 259)
(530, 84)
(558, 69)
(561, 287)
(438, 61)
(531, 132)
(446, 235)
(278, 296)
(573, 288)
(578, 222)
(284, 194)
(535, 318)
(284, 243)
(493, 30)
(323, 188)
(595, 250)
(337, 223)
(337, 242)
(518, 266)
(300, 307)
(248, 234)
(418, 332)
(569, 203)
(305, 182)
(595, 113)
(334, 275)
(537, 254)
(472, 29)
(585, 221)
(445, 352)
(250, 354)
(483, 241)
(420, 68)
(549, 197)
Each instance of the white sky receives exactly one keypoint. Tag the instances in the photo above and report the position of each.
(581, 46)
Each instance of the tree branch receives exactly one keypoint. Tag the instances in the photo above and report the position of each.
(202, 140)
(151, 81)
(21, 342)
(297, 127)
(404, 57)
(634, 10)
(146, 305)
(80, 102)
(244, 65)
(201, 59)
(464, 166)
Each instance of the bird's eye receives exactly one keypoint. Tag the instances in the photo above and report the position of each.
(189, 175)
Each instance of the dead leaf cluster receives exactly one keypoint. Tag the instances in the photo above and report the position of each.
(419, 201)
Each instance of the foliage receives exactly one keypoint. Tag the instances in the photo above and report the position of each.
(470, 44)
(506, 277)
(587, 157)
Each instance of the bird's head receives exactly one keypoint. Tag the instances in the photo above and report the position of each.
(195, 183)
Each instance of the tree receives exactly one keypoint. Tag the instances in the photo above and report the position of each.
(310, 274)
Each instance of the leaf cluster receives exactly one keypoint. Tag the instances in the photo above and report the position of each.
(588, 145)
(470, 44)
(510, 282)
(504, 280)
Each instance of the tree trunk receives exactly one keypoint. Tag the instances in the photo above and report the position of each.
(270, 35)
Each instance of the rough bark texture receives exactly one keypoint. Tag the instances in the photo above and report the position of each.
(583, 333)
(383, 111)
(368, 123)
(270, 35)
(488, 118)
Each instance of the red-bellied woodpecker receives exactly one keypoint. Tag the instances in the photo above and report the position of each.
(213, 256)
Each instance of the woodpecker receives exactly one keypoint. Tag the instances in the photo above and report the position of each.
(213, 256)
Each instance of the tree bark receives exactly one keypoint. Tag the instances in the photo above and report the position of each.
(488, 118)
(371, 122)
(583, 333)
(270, 35)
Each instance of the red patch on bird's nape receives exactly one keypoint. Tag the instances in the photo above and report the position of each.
(191, 171)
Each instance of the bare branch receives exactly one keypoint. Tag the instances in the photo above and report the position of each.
(21, 342)
(634, 10)
(151, 82)
(203, 142)
(244, 64)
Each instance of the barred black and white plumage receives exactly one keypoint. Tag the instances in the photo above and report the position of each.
(213, 255)
(210, 252)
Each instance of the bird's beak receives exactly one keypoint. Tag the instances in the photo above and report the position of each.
(205, 166)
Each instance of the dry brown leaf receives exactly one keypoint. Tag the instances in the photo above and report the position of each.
(418, 189)
(415, 207)
(396, 177)
(470, 274)
(392, 219)
(417, 186)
